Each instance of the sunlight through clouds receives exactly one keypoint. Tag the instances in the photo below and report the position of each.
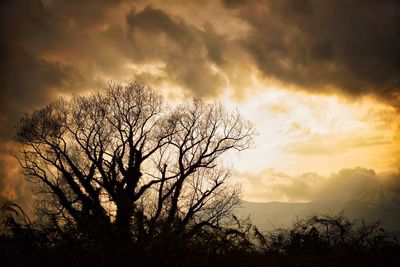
(301, 132)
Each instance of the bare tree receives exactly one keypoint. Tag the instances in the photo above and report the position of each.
(124, 161)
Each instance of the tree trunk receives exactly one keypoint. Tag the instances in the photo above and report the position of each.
(124, 218)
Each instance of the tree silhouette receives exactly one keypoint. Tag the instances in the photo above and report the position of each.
(123, 162)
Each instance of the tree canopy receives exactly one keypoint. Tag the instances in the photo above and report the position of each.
(123, 161)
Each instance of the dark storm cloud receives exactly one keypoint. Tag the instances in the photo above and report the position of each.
(187, 51)
(351, 45)
(48, 48)
(28, 31)
(25, 81)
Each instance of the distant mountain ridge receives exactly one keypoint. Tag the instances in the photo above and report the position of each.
(379, 203)
(272, 215)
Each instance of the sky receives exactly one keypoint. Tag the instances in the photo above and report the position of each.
(320, 80)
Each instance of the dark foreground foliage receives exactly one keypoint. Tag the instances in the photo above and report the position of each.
(319, 240)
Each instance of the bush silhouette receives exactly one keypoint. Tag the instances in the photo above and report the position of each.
(319, 240)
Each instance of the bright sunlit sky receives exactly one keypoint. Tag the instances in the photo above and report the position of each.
(319, 80)
(299, 132)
